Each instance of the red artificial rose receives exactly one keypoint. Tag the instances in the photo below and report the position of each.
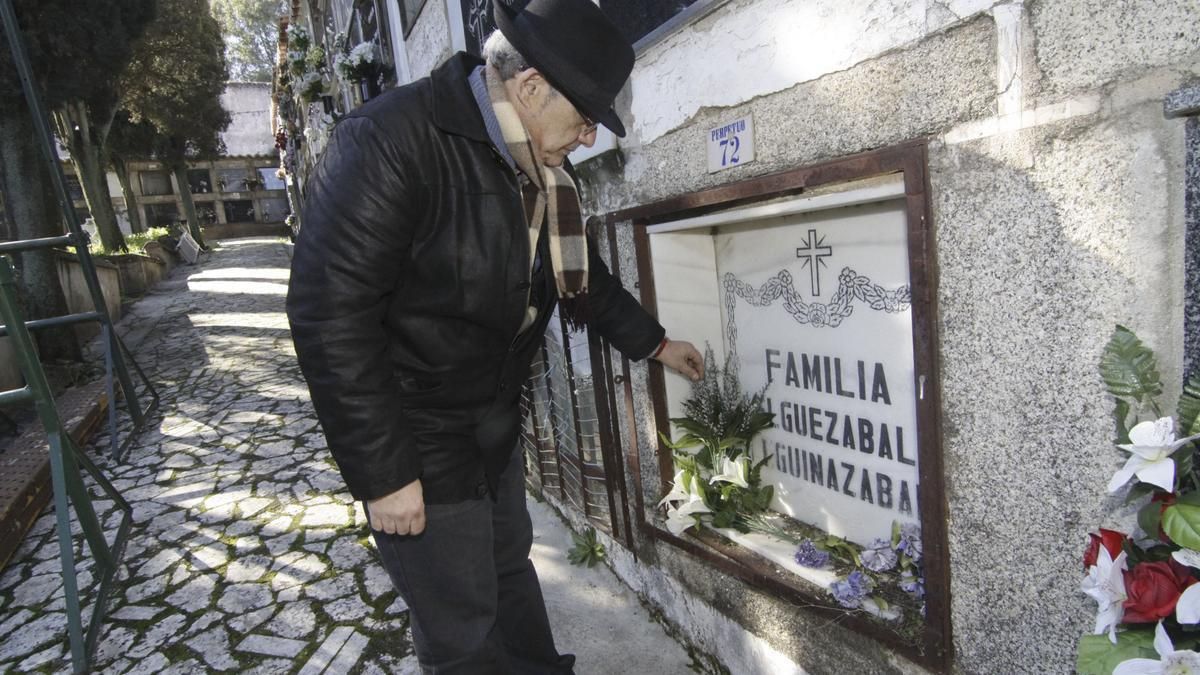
(1152, 589)
(1113, 541)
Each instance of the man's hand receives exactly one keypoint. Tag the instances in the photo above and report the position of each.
(402, 512)
(683, 358)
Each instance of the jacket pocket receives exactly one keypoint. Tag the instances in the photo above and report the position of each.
(417, 389)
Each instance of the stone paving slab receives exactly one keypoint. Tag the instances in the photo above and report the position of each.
(247, 554)
(247, 551)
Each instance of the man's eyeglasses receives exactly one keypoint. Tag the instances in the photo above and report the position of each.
(588, 125)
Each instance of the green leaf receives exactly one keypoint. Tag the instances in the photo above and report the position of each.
(724, 518)
(765, 496)
(841, 549)
(728, 442)
(1189, 409)
(685, 441)
(1129, 368)
(1159, 553)
(1183, 459)
(667, 441)
(587, 549)
(1098, 656)
(1138, 491)
(1181, 522)
(1149, 518)
(1120, 414)
(692, 426)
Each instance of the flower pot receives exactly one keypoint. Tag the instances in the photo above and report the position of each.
(368, 88)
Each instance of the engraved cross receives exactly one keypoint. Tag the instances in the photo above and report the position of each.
(812, 253)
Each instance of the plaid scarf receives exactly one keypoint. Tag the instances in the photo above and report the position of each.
(549, 194)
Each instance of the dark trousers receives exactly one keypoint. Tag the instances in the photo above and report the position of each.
(475, 603)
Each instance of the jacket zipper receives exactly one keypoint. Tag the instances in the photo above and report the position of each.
(512, 175)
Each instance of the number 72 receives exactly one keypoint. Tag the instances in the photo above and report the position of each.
(729, 152)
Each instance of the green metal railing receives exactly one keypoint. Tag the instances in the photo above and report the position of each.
(67, 461)
(67, 479)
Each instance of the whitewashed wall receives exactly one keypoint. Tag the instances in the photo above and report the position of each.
(249, 133)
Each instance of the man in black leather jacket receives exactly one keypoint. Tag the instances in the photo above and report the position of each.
(418, 298)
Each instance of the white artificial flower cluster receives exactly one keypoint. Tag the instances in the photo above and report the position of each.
(298, 43)
(359, 63)
(1105, 583)
(309, 86)
(1151, 445)
(687, 489)
(1170, 661)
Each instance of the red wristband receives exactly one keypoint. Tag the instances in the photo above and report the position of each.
(661, 345)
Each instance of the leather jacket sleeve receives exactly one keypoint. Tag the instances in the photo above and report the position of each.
(345, 266)
(617, 315)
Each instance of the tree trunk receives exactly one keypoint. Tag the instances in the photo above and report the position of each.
(34, 213)
(75, 129)
(131, 205)
(189, 206)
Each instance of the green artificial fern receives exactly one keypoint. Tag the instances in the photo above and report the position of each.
(1189, 408)
(587, 549)
(1130, 371)
(1129, 368)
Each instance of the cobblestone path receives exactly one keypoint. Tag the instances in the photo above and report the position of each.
(247, 555)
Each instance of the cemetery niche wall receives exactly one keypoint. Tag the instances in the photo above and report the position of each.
(815, 288)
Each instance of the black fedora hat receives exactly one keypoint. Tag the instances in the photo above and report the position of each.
(574, 46)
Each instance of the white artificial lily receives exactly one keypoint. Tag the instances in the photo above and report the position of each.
(680, 518)
(1150, 448)
(736, 471)
(1171, 662)
(1105, 583)
(1187, 608)
(680, 489)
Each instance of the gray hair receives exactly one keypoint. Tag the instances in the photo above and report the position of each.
(501, 54)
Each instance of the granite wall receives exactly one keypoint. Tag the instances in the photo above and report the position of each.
(1057, 187)
(1058, 211)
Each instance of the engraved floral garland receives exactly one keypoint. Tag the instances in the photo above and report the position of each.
(852, 286)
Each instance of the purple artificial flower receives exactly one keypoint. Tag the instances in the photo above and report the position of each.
(849, 592)
(910, 541)
(808, 555)
(879, 556)
(860, 582)
(912, 584)
(845, 595)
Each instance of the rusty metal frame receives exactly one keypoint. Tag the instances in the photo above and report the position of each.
(601, 396)
(935, 648)
(623, 380)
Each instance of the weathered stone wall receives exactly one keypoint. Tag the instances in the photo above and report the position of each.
(1057, 190)
(429, 42)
